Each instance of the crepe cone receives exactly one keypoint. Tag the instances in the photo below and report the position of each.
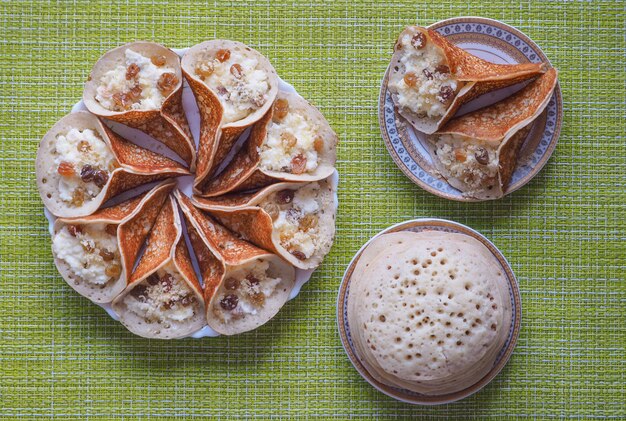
(163, 282)
(134, 166)
(216, 135)
(249, 216)
(129, 222)
(474, 75)
(223, 258)
(505, 125)
(246, 171)
(168, 124)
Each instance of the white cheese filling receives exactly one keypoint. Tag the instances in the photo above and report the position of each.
(240, 92)
(424, 97)
(297, 222)
(294, 135)
(460, 156)
(163, 298)
(85, 253)
(244, 291)
(114, 82)
(79, 148)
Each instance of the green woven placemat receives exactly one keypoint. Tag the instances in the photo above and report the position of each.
(564, 233)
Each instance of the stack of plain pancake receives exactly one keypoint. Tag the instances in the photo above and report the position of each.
(428, 311)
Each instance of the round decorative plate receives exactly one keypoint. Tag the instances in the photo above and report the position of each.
(496, 42)
(185, 183)
(408, 396)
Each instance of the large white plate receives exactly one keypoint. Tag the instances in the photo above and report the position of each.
(185, 184)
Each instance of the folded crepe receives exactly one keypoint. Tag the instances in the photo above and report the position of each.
(294, 220)
(81, 164)
(430, 78)
(292, 142)
(140, 84)
(429, 311)
(163, 299)
(477, 153)
(244, 286)
(234, 87)
(95, 254)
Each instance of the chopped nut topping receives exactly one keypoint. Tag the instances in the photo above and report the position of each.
(258, 299)
(66, 169)
(298, 255)
(100, 178)
(281, 109)
(83, 146)
(231, 284)
(158, 60)
(222, 55)
(106, 255)
(188, 300)
(205, 70)
(87, 246)
(285, 196)
(78, 197)
(132, 71)
(87, 173)
(418, 41)
(236, 71)
(167, 82)
(229, 302)
(298, 164)
(318, 144)
(482, 156)
(74, 230)
(288, 139)
(410, 79)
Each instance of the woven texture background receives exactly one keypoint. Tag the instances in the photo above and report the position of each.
(564, 233)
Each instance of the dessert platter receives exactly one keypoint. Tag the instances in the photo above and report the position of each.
(191, 192)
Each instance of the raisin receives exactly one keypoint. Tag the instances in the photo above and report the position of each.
(442, 68)
(121, 101)
(153, 279)
(254, 281)
(231, 284)
(188, 300)
(281, 109)
(298, 255)
(258, 299)
(445, 94)
(78, 197)
(87, 173)
(318, 144)
(460, 156)
(74, 230)
(106, 255)
(288, 139)
(166, 283)
(236, 71)
(298, 164)
(285, 196)
(482, 156)
(222, 55)
(66, 169)
(134, 94)
(113, 271)
(158, 60)
(229, 302)
(205, 70)
(272, 210)
(418, 41)
(111, 229)
(167, 82)
(140, 293)
(427, 73)
(132, 71)
(308, 222)
(83, 146)
(100, 178)
(410, 79)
